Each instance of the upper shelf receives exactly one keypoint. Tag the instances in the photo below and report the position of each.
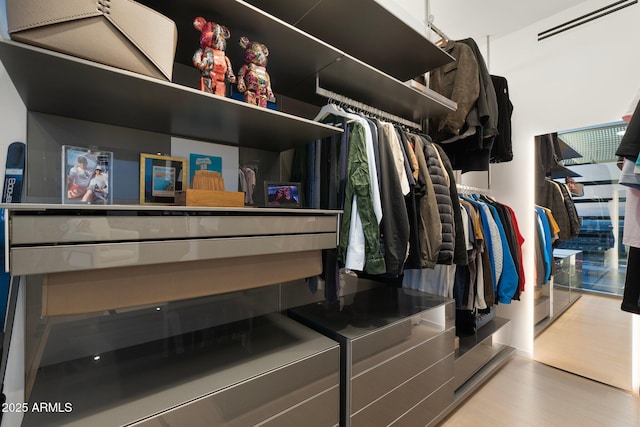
(76, 88)
(353, 26)
(296, 58)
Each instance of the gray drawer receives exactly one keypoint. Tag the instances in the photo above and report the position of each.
(312, 383)
(379, 346)
(398, 367)
(428, 409)
(393, 405)
(320, 411)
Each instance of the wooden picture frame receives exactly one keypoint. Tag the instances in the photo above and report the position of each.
(160, 178)
(283, 194)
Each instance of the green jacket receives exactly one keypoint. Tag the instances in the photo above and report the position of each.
(359, 186)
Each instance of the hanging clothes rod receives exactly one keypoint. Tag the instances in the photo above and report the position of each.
(466, 189)
(437, 30)
(341, 99)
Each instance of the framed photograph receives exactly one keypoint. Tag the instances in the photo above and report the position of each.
(160, 178)
(283, 194)
(87, 176)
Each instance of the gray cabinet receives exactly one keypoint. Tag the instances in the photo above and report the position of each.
(267, 370)
(397, 354)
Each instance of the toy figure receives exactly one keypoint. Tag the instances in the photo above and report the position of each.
(210, 59)
(253, 79)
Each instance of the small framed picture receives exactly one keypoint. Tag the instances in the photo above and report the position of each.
(160, 178)
(283, 194)
(203, 162)
(87, 176)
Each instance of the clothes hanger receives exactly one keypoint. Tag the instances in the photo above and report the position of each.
(330, 109)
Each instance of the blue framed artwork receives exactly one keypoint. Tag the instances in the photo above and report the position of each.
(203, 162)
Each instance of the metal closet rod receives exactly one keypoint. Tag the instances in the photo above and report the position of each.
(438, 31)
(364, 107)
(466, 189)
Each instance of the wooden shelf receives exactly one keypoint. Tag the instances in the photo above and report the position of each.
(86, 90)
(399, 50)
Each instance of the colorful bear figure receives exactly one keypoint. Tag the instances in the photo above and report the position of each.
(253, 79)
(210, 59)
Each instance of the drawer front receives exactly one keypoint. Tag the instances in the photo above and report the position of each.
(322, 410)
(376, 347)
(381, 379)
(474, 360)
(393, 405)
(428, 409)
(264, 397)
(79, 257)
(42, 229)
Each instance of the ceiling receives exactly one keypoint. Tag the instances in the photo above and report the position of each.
(478, 19)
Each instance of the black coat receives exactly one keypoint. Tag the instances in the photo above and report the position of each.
(502, 150)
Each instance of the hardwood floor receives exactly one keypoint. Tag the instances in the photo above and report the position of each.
(530, 394)
(593, 338)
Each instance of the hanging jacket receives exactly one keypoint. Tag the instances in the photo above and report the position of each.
(359, 194)
(572, 213)
(551, 197)
(445, 206)
(429, 225)
(508, 282)
(502, 150)
(460, 252)
(458, 81)
(486, 103)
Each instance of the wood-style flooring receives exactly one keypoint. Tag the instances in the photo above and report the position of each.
(593, 338)
(526, 393)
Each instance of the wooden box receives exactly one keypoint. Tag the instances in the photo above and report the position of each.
(210, 198)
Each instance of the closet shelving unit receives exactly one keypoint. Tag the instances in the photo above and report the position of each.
(296, 63)
(399, 50)
(350, 58)
(93, 92)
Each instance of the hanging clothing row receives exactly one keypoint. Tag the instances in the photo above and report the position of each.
(402, 214)
(493, 272)
(556, 197)
(479, 131)
(546, 231)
